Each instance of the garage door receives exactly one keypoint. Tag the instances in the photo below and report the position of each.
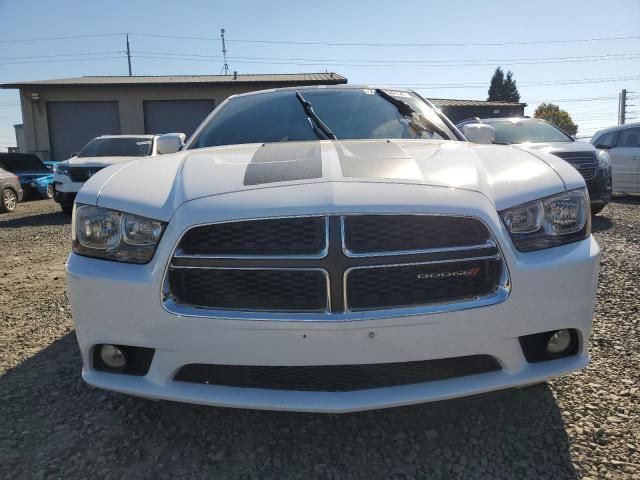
(167, 116)
(73, 124)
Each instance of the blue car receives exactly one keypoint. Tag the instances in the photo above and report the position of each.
(36, 178)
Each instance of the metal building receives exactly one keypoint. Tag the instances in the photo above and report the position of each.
(61, 116)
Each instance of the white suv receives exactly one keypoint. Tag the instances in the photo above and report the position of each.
(331, 249)
(70, 175)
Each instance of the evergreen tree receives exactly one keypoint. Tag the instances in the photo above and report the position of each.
(510, 90)
(496, 87)
(503, 89)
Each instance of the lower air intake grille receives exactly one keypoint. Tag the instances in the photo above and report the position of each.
(82, 174)
(406, 285)
(250, 289)
(336, 378)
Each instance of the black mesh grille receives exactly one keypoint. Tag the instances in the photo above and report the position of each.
(82, 174)
(388, 287)
(283, 236)
(382, 233)
(257, 290)
(336, 378)
(584, 162)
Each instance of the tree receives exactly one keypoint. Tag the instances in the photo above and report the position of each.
(510, 89)
(555, 115)
(503, 89)
(497, 82)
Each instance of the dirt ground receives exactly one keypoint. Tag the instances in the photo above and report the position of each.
(586, 425)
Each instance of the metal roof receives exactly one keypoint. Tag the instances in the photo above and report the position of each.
(452, 102)
(116, 80)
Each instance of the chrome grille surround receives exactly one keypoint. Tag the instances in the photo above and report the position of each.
(437, 256)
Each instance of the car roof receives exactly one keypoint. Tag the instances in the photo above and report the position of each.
(615, 128)
(324, 87)
(509, 119)
(128, 136)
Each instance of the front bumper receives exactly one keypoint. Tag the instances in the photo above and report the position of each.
(63, 198)
(121, 304)
(600, 187)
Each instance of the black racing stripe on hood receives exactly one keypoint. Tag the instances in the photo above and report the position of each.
(284, 162)
(377, 160)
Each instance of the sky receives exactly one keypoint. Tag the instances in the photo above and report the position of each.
(441, 49)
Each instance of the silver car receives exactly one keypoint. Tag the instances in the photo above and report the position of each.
(623, 144)
(10, 191)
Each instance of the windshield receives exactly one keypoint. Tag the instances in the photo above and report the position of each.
(349, 113)
(22, 163)
(523, 131)
(117, 147)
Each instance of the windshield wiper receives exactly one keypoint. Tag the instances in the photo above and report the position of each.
(313, 116)
(407, 111)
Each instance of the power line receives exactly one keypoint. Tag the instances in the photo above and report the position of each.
(67, 37)
(162, 56)
(63, 60)
(426, 86)
(409, 61)
(486, 44)
(381, 63)
(583, 99)
(60, 55)
(336, 44)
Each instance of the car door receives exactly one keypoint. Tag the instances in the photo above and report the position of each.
(625, 161)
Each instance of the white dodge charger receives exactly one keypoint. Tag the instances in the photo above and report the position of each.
(331, 249)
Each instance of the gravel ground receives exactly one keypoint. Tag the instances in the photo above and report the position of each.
(52, 425)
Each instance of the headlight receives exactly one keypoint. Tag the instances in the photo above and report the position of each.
(603, 158)
(112, 235)
(61, 169)
(550, 221)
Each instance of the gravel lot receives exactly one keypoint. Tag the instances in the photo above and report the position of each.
(52, 425)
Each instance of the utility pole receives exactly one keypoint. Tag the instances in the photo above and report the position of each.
(622, 106)
(224, 53)
(128, 55)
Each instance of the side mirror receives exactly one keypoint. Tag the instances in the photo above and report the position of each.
(170, 143)
(479, 133)
(603, 147)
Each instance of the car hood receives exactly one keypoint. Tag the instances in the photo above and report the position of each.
(553, 147)
(506, 175)
(97, 161)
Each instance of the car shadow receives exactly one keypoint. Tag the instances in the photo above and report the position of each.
(53, 423)
(601, 222)
(39, 220)
(626, 199)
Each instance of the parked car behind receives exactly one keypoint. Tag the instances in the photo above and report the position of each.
(538, 135)
(623, 144)
(70, 175)
(35, 178)
(10, 191)
(331, 248)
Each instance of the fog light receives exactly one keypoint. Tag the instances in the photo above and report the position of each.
(112, 357)
(559, 342)
(33, 184)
